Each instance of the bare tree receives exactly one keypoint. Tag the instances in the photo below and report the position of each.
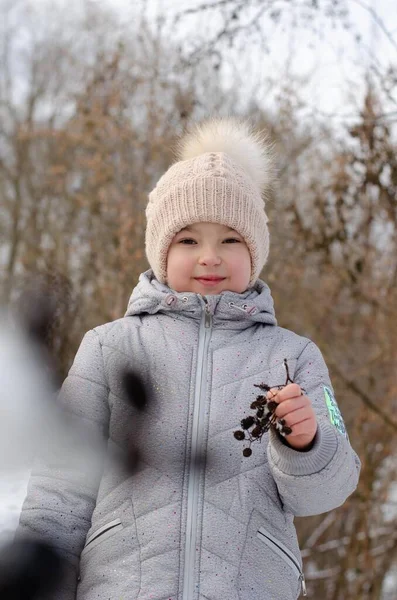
(338, 216)
(82, 145)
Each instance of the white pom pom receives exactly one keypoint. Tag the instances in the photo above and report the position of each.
(250, 149)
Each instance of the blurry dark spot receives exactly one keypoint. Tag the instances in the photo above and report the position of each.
(133, 459)
(134, 389)
(41, 311)
(38, 315)
(28, 570)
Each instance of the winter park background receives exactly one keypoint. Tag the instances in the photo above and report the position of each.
(92, 96)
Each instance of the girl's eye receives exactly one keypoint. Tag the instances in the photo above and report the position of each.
(187, 241)
(191, 241)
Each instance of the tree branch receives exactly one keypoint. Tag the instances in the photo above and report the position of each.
(378, 21)
(365, 398)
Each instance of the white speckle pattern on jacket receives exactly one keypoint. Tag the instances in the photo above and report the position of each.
(136, 525)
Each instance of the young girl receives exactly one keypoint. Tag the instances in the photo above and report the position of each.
(198, 519)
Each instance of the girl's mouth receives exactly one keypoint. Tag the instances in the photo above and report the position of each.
(209, 281)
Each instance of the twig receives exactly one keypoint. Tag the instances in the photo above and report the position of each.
(365, 398)
(378, 21)
(317, 533)
(344, 541)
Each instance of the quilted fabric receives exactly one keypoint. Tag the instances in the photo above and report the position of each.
(124, 537)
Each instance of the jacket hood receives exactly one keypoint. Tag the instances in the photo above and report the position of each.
(229, 309)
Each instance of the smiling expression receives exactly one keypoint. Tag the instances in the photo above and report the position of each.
(208, 258)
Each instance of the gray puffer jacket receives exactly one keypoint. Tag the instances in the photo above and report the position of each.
(184, 528)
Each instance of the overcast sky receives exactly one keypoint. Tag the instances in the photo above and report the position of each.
(332, 59)
(331, 65)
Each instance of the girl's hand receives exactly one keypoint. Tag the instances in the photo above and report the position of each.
(296, 410)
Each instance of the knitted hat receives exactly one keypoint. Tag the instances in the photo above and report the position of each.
(224, 169)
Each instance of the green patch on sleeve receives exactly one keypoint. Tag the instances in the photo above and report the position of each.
(334, 412)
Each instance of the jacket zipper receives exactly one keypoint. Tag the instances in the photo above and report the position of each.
(284, 553)
(194, 472)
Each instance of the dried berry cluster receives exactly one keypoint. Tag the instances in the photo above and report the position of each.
(255, 426)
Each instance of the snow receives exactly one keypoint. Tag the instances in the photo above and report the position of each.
(12, 494)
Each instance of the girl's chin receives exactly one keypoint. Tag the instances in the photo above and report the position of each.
(198, 288)
(205, 288)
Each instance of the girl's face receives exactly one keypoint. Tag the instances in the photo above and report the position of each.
(208, 258)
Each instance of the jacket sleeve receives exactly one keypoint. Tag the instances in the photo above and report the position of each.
(62, 490)
(320, 479)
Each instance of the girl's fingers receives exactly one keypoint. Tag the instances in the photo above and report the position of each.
(292, 405)
(289, 391)
(303, 428)
(297, 416)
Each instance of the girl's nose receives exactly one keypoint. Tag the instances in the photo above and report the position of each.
(209, 258)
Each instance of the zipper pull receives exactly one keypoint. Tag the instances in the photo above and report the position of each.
(303, 584)
(207, 313)
(207, 317)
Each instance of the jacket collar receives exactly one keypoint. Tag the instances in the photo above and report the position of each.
(229, 309)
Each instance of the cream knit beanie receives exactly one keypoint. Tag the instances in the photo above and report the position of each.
(224, 173)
